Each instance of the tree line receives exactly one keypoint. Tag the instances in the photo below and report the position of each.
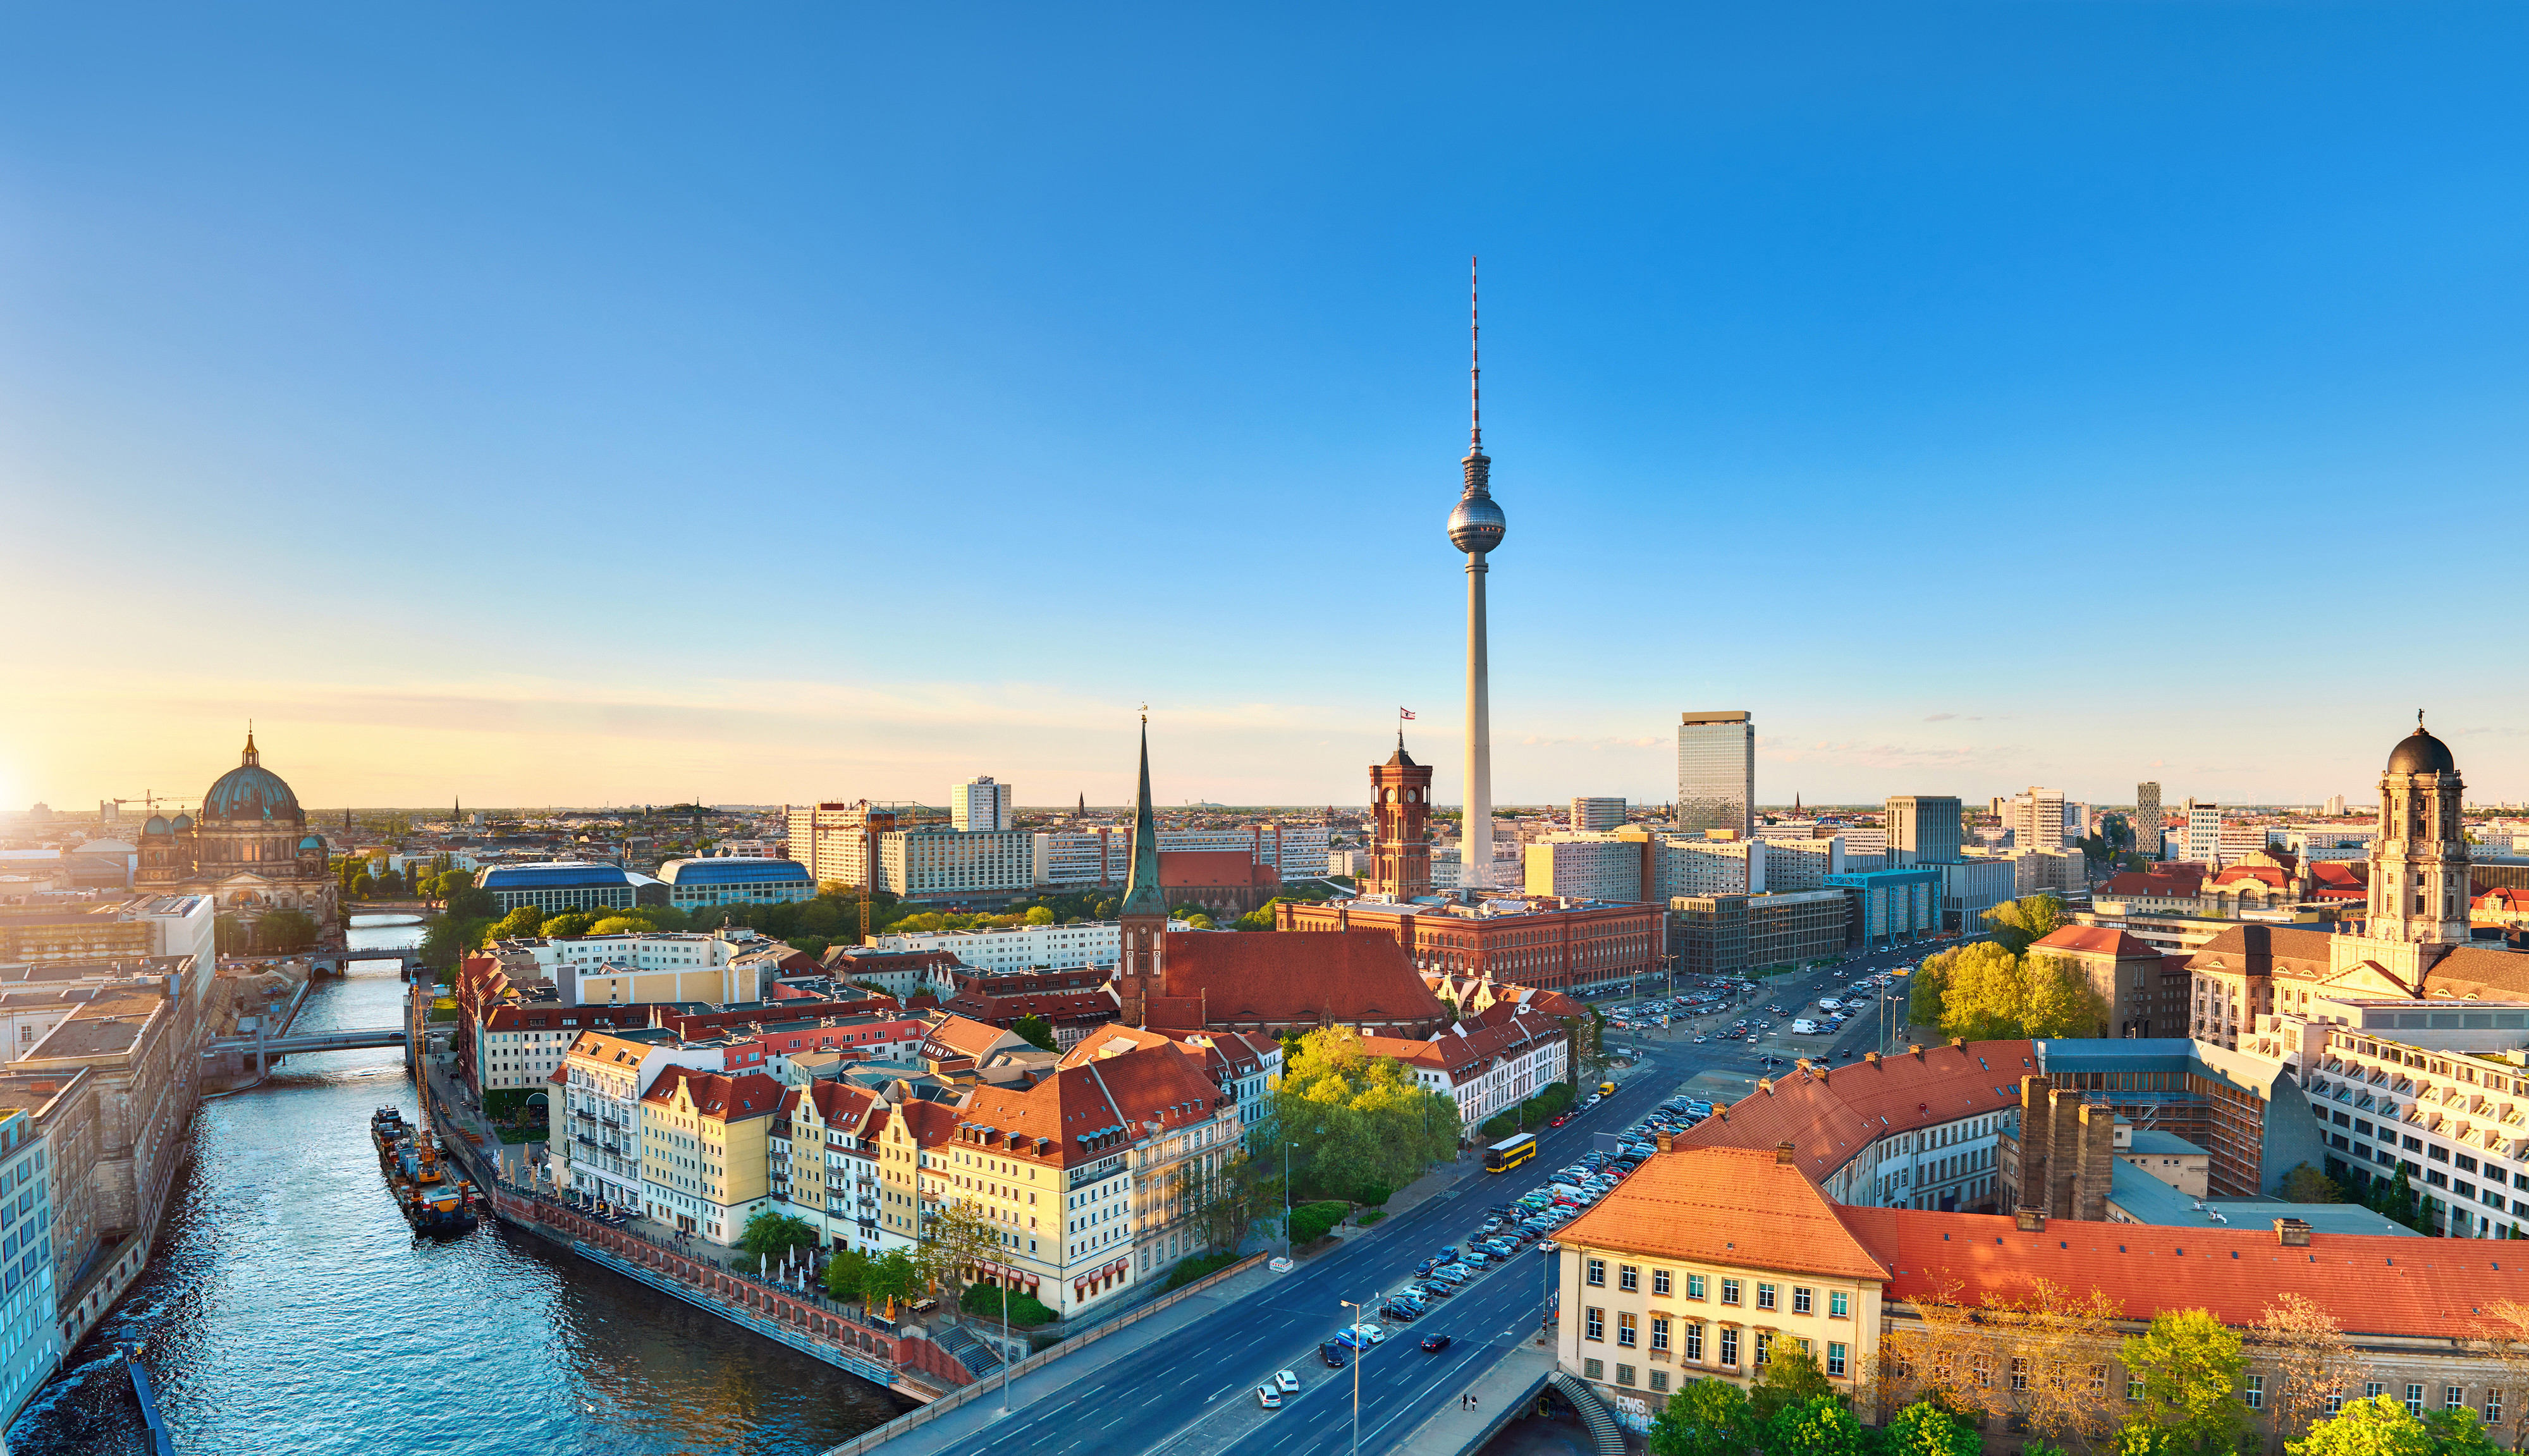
(2000, 989)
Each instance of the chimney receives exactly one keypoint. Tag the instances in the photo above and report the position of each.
(2029, 1219)
(1916, 1047)
(2292, 1233)
(1870, 1059)
(1959, 1042)
(1664, 1140)
(1783, 1154)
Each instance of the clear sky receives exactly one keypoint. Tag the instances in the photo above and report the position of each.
(568, 404)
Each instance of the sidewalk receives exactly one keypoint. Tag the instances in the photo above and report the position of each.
(1501, 1393)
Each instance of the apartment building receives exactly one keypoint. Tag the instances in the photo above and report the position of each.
(937, 863)
(1585, 865)
(1018, 947)
(1549, 943)
(980, 805)
(822, 1164)
(1082, 858)
(593, 1132)
(31, 1346)
(1596, 814)
(705, 1163)
(1489, 1062)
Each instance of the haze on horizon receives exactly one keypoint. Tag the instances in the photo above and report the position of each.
(578, 406)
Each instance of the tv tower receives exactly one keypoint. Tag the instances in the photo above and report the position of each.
(1477, 527)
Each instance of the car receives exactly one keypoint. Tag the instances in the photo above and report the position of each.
(1435, 1343)
(1558, 1119)
(1477, 1257)
(1268, 1397)
(1333, 1355)
(1402, 1313)
(1699, 1041)
(1448, 1253)
(1286, 1380)
(1441, 1290)
(1426, 1265)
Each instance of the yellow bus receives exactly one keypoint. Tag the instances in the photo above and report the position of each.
(1510, 1153)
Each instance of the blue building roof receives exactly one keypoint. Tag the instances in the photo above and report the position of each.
(733, 871)
(562, 874)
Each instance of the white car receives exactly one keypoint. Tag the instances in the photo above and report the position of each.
(1285, 1382)
(1267, 1397)
(1371, 1332)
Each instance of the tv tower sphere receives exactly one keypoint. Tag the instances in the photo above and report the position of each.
(1477, 524)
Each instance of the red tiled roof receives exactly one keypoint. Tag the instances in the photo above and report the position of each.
(725, 1097)
(2370, 1284)
(1292, 977)
(2092, 940)
(2261, 874)
(1725, 1206)
(1149, 1079)
(1830, 1116)
(962, 1036)
(2171, 884)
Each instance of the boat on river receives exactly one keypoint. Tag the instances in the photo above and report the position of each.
(431, 1198)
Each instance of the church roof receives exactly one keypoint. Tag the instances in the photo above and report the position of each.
(1291, 976)
(1142, 892)
(2419, 752)
(251, 791)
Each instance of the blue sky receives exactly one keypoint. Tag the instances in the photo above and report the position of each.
(629, 403)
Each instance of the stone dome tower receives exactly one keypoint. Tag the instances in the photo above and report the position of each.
(2419, 885)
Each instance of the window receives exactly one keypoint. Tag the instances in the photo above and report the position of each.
(1729, 1291)
(1598, 1272)
(1764, 1346)
(2455, 1397)
(1694, 1340)
(1593, 1370)
(2415, 1400)
(2133, 1389)
(1598, 1328)
(1839, 1304)
(1624, 1375)
(1659, 1381)
(2019, 1374)
(1765, 1296)
(2335, 1402)
(1695, 1287)
(1625, 1330)
(1659, 1281)
(1835, 1359)
(1729, 1345)
(1799, 1300)
(2255, 1394)
(2493, 1407)
(1628, 1277)
(2373, 1390)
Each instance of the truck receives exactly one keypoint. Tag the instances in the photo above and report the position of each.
(1828, 1003)
(1806, 1027)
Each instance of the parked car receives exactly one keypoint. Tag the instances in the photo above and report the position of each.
(1435, 1343)
(1333, 1355)
(1286, 1380)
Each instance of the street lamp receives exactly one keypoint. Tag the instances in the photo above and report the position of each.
(1006, 1342)
(1360, 1352)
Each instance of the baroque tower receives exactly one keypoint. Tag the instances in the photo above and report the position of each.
(2420, 884)
(1400, 858)
(1144, 921)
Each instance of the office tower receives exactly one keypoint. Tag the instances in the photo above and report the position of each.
(2204, 833)
(2336, 806)
(1597, 814)
(1924, 829)
(2148, 822)
(1716, 771)
(978, 804)
(1476, 527)
(2036, 819)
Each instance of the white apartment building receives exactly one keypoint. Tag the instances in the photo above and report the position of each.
(1486, 1064)
(2203, 832)
(939, 863)
(647, 966)
(1021, 947)
(2323, 842)
(1585, 865)
(1078, 858)
(1802, 864)
(2035, 819)
(2457, 1121)
(595, 1125)
(978, 804)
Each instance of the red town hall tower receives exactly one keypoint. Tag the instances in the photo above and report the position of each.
(1400, 858)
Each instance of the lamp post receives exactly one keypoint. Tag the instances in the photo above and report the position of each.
(1360, 1352)
(1287, 1146)
(1006, 1342)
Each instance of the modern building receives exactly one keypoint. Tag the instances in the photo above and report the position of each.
(558, 885)
(2035, 819)
(1972, 886)
(1729, 935)
(1586, 865)
(1597, 814)
(1400, 849)
(1077, 859)
(939, 863)
(834, 840)
(980, 805)
(2203, 834)
(1924, 829)
(31, 1348)
(1017, 948)
(1892, 908)
(698, 884)
(121, 927)
(2149, 821)
(1716, 771)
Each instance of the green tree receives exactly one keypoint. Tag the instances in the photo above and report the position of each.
(952, 1241)
(769, 1234)
(2060, 1000)
(622, 925)
(1791, 1377)
(2458, 1432)
(1036, 1031)
(845, 1274)
(1359, 1120)
(569, 923)
(284, 931)
(2374, 1426)
(1038, 915)
(1819, 1426)
(2189, 1364)
(1928, 1429)
(525, 920)
(2021, 923)
(2307, 1185)
(1704, 1418)
(892, 1276)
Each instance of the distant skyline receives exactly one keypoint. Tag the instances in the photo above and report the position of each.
(566, 407)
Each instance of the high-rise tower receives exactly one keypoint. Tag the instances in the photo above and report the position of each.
(1476, 527)
(1144, 921)
(1716, 771)
(2419, 862)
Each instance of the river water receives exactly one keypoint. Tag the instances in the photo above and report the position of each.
(287, 1307)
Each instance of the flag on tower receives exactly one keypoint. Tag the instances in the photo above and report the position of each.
(1405, 712)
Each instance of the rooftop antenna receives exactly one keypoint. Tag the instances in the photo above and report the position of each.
(1476, 361)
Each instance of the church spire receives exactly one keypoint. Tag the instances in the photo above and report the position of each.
(250, 758)
(1142, 892)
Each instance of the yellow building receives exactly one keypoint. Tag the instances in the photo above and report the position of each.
(704, 1158)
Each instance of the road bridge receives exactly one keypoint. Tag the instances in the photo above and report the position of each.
(263, 1050)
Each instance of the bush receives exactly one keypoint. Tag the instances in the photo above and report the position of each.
(1310, 1221)
(1027, 1312)
(1372, 1216)
(1200, 1267)
(1501, 1125)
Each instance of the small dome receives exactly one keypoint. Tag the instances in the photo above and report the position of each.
(312, 842)
(157, 825)
(182, 823)
(2419, 752)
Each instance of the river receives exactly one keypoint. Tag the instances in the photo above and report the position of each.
(288, 1308)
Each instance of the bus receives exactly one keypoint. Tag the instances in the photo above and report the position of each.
(1510, 1153)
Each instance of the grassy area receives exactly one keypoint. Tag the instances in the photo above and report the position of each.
(1202, 1266)
(437, 1014)
(1372, 1216)
(985, 1300)
(521, 1134)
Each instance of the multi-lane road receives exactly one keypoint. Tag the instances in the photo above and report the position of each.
(1193, 1394)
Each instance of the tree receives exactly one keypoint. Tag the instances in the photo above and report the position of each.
(569, 923)
(2307, 1185)
(1038, 915)
(892, 1276)
(2503, 1333)
(283, 931)
(769, 1234)
(2375, 1426)
(1357, 1118)
(525, 920)
(1819, 1426)
(2457, 1432)
(1037, 1032)
(953, 1240)
(846, 1276)
(2188, 1363)
(1928, 1429)
(1791, 1377)
(2021, 923)
(2055, 1344)
(622, 925)
(2061, 1002)
(2312, 1358)
(1704, 1418)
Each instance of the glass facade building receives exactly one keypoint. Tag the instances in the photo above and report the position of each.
(1716, 771)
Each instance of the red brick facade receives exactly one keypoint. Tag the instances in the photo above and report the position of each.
(1550, 948)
